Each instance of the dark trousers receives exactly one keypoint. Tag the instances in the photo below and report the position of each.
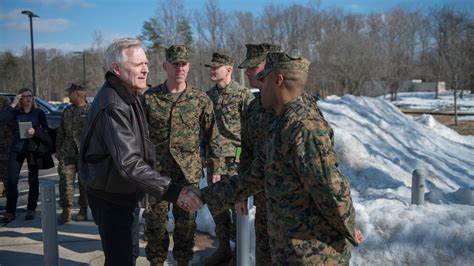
(118, 229)
(14, 166)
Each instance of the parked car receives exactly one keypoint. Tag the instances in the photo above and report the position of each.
(255, 91)
(52, 114)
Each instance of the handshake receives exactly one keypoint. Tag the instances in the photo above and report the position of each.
(189, 199)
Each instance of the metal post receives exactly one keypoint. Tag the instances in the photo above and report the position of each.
(84, 66)
(32, 15)
(33, 57)
(48, 220)
(243, 240)
(418, 187)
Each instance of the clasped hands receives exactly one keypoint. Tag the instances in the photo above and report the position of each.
(189, 199)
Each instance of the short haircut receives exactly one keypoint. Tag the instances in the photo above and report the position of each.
(294, 79)
(114, 52)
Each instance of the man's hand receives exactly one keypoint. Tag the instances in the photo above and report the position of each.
(241, 208)
(189, 200)
(216, 178)
(359, 236)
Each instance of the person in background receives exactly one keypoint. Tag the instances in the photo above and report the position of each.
(20, 149)
(68, 140)
(230, 100)
(5, 141)
(116, 158)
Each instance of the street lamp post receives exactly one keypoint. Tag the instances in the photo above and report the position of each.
(83, 65)
(32, 15)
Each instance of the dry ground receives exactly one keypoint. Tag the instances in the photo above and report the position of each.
(463, 127)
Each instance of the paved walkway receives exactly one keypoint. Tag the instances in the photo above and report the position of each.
(79, 244)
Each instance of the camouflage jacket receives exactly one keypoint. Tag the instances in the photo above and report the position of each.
(178, 127)
(308, 199)
(256, 122)
(68, 136)
(5, 130)
(229, 105)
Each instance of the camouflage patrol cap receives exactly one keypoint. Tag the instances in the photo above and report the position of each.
(74, 87)
(283, 61)
(177, 54)
(256, 54)
(220, 60)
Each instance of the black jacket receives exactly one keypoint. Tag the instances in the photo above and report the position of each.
(40, 148)
(116, 157)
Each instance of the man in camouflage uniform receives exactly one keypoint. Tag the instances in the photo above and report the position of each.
(311, 218)
(5, 141)
(256, 122)
(68, 140)
(180, 118)
(230, 100)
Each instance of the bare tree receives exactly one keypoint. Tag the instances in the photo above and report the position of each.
(451, 30)
(347, 59)
(212, 26)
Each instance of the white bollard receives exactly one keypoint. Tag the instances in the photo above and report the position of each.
(243, 240)
(418, 187)
(49, 224)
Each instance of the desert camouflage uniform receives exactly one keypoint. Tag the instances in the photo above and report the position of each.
(68, 140)
(178, 123)
(229, 105)
(5, 140)
(310, 214)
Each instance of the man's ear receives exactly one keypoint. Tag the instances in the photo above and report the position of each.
(279, 80)
(116, 68)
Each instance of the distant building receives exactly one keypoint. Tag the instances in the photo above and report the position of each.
(377, 88)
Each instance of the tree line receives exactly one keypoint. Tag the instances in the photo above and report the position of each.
(347, 51)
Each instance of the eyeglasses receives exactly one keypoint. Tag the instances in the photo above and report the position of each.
(27, 96)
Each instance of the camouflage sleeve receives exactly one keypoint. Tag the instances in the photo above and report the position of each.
(248, 97)
(213, 139)
(315, 163)
(223, 195)
(60, 134)
(246, 155)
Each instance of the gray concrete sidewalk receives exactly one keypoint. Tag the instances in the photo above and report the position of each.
(79, 244)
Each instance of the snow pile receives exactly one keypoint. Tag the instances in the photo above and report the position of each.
(379, 147)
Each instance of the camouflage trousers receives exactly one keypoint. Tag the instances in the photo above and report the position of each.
(158, 237)
(67, 176)
(262, 242)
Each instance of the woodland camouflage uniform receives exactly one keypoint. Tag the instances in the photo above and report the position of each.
(256, 123)
(68, 140)
(178, 123)
(311, 218)
(229, 105)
